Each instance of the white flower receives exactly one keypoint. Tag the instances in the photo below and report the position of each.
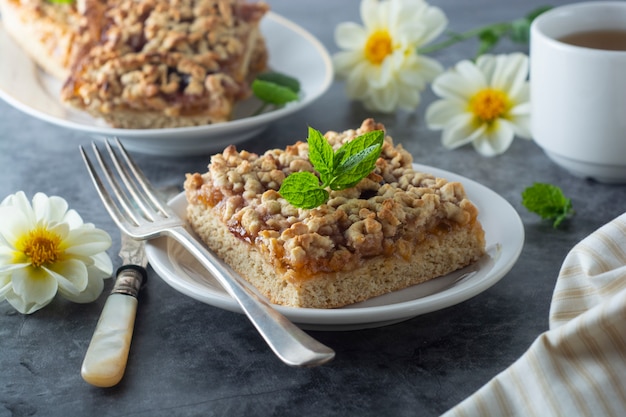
(380, 61)
(486, 103)
(45, 248)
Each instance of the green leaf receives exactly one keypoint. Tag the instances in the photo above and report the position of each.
(338, 170)
(488, 40)
(489, 35)
(548, 201)
(357, 144)
(355, 168)
(272, 93)
(302, 189)
(280, 79)
(321, 155)
(520, 30)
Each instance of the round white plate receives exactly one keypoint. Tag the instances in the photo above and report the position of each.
(292, 51)
(504, 234)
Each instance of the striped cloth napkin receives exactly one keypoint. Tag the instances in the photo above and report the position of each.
(578, 367)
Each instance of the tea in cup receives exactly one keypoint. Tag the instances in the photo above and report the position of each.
(578, 88)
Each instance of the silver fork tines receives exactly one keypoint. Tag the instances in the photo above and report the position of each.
(134, 206)
(137, 193)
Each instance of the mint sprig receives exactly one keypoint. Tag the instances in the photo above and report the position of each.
(548, 201)
(275, 89)
(338, 170)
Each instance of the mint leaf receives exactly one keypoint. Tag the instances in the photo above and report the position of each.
(355, 168)
(548, 201)
(357, 144)
(282, 80)
(321, 154)
(338, 170)
(302, 189)
(273, 93)
(274, 89)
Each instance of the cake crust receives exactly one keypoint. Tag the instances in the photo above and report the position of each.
(396, 228)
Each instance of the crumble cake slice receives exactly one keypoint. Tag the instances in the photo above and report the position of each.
(168, 63)
(396, 228)
(52, 34)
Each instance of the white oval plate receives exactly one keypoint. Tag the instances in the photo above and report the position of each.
(504, 233)
(292, 51)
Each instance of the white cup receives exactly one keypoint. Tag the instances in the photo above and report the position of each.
(578, 94)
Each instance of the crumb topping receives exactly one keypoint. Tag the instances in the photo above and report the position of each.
(178, 57)
(387, 213)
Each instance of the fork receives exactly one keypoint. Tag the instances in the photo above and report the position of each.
(137, 210)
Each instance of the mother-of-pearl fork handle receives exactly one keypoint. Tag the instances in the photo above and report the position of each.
(290, 343)
(107, 354)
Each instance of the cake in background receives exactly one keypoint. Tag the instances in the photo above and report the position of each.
(141, 64)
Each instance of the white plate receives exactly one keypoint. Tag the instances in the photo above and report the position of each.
(292, 51)
(504, 234)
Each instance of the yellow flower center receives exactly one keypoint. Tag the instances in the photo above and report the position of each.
(378, 47)
(489, 105)
(41, 246)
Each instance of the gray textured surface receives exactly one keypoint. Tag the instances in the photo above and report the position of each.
(190, 359)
